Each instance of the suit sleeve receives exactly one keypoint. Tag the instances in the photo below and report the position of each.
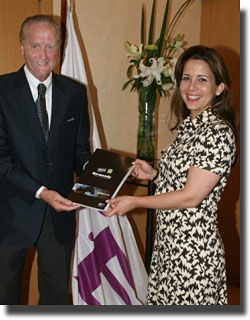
(12, 175)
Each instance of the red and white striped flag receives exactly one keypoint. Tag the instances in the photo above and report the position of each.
(107, 266)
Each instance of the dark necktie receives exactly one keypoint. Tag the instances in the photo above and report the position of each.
(41, 110)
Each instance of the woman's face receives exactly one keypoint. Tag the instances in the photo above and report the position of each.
(198, 86)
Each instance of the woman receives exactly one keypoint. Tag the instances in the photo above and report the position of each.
(188, 263)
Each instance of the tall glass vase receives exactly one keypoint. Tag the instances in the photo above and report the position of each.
(146, 127)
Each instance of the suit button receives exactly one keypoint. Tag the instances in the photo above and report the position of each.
(48, 164)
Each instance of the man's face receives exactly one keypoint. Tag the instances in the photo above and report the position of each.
(40, 49)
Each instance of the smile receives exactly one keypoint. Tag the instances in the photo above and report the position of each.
(41, 64)
(193, 97)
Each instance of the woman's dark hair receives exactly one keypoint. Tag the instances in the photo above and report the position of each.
(221, 105)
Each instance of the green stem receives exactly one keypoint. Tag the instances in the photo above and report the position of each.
(177, 16)
(142, 26)
(163, 28)
(151, 29)
(146, 130)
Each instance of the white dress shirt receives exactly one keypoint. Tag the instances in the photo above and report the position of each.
(33, 83)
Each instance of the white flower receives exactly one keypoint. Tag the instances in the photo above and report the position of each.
(158, 69)
(149, 73)
(153, 61)
(169, 68)
(167, 86)
(135, 52)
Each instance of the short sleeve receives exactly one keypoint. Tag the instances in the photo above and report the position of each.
(215, 149)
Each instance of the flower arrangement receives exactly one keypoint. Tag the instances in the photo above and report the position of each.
(153, 64)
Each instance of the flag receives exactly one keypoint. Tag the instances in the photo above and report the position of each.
(107, 266)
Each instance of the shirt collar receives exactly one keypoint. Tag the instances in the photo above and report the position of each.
(189, 124)
(33, 81)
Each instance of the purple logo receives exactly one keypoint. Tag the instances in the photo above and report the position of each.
(96, 262)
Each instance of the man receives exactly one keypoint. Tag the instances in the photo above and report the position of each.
(39, 152)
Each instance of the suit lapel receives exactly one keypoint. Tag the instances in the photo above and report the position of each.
(27, 109)
(58, 109)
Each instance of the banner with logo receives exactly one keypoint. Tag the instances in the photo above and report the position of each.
(107, 266)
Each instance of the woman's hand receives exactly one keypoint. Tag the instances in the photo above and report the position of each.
(143, 170)
(120, 205)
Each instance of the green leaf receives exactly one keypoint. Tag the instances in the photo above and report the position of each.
(166, 79)
(163, 28)
(151, 28)
(142, 26)
(127, 46)
(133, 87)
(177, 16)
(126, 84)
(129, 71)
(151, 47)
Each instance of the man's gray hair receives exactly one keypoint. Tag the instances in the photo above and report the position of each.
(39, 18)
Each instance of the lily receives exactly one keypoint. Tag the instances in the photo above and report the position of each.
(153, 61)
(135, 52)
(149, 73)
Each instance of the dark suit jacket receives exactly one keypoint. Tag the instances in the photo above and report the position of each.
(26, 163)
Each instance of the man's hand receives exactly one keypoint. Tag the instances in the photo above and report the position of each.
(56, 201)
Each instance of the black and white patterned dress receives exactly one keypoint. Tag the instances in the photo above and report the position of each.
(188, 261)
